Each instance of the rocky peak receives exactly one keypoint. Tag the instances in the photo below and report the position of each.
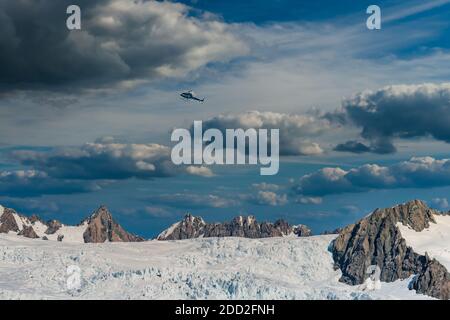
(415, 214)
(28, 232)
(282, 224)
(190, 219)
(240, 226)
(98, 227)
(53, 226)
(192, 223)
(7, 221)
(302, 231)
(433, 279)
(376, 240)
(35, 218)
(102, 227)
(101, 213)
(244, 220)
(189, 227)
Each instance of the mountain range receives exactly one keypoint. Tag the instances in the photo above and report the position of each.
(97, 228)
(241, 226)
(407, 242)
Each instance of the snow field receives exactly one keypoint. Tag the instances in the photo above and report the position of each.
(209, 268)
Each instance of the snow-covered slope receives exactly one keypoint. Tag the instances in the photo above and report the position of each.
(72, 234)
(67, 233)
(98, 227)
(169, 231)
(208, 268)
(434, 240)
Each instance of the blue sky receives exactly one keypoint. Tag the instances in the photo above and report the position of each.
(266, 11)
(84, 120)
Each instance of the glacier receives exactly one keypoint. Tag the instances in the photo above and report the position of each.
(433, 241)
(204, 268)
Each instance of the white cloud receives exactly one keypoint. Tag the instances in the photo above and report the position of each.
(291, 67)
(200, 171)
(296, 130)
(418, 172)
(121, 43)
(267, 198)
(399, 111)
(108, 160)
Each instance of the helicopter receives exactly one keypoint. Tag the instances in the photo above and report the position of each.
(190, 95)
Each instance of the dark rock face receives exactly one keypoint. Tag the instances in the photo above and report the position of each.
(188, 228)
(53, 226)
(247, 227)
(302, 231)
(7, 221)
(28, 232)
(101, 227)
(34, 218)
(433, 280)
(376, 240)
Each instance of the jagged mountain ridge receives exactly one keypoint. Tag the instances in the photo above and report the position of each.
(390, 238)
(101, 227)
(247, 227)
(377, 240)
(97, 228)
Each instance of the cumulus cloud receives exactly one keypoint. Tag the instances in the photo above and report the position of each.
(352, 146)
(101, 161)
(121, 43)
(418, 172)
(324, 181)
(266, 198)
(89, 167)
(296, 131)
(400, 111)
(200, 171)
(30, 183)
(106, 159)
